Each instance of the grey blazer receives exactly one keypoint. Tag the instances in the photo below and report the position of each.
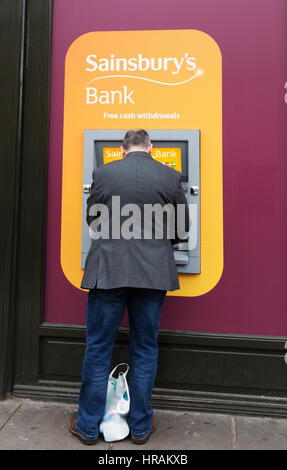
(136, 262)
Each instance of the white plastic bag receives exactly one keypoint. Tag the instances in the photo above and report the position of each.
(114, 425)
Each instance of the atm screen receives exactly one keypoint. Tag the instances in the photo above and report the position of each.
(172, 154)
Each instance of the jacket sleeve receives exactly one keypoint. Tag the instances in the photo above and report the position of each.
(92, 199)
(182, 219)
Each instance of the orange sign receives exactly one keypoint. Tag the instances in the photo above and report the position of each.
(153, 80)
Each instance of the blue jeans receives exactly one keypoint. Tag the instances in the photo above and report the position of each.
(105, 311)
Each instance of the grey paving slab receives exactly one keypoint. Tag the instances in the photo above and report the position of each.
(186, 431)
(41, 426)
(7, 409)
(260, 433)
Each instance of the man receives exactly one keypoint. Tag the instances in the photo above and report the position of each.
(123, 270)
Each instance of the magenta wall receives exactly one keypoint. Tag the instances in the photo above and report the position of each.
(251, 297)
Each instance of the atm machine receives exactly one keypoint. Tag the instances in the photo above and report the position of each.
(179, 149)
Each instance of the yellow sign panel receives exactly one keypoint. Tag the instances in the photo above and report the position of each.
(111, 153)
(153, 80)
(169, 156)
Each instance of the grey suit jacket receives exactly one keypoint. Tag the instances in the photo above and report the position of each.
(135, 262)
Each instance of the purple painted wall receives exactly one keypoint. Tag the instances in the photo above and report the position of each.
(251, 297)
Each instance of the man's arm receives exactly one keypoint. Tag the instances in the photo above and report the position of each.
(92, 199)
(182, 219)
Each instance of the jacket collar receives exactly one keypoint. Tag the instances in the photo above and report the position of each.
(138, 154)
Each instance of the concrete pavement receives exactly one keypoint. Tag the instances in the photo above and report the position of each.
(34, 425)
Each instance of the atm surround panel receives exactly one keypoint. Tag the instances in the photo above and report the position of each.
(187, 254)
(182, 145)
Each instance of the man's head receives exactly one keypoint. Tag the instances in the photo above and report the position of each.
(136, 140)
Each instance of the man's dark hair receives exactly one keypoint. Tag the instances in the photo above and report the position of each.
(136, 138)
